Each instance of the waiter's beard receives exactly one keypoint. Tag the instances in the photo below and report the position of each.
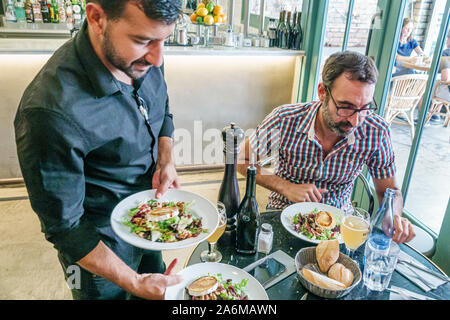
(118, 62)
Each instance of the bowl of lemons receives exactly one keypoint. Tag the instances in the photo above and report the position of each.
(208, 13)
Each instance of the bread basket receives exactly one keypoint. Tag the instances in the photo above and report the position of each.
(306, 257)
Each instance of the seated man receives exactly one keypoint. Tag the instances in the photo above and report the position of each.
(322, 146)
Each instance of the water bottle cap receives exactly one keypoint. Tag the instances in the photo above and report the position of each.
(266, 227)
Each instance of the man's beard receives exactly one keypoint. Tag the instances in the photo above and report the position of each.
(336, 127)
(112, 56)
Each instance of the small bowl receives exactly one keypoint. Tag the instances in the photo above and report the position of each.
(306, 257)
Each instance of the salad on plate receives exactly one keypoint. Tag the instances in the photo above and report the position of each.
(213, 287)
(164, 221)
(317, 225)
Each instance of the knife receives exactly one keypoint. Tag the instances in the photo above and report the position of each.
(423, 268)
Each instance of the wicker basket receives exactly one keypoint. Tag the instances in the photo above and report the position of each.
(306, 257)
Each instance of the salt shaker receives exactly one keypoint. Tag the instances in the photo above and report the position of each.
(265, 238)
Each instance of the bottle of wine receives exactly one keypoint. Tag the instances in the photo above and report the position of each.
(298, 33)
(283, 33)
(248, 219)
(229, 189)
(289, 28)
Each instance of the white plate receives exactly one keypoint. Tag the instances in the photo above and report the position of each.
(201, 208)
(306, 207)
(254, 289)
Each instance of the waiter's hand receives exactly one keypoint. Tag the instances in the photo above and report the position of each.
(403, 230)
(165, 178)
(152, 286)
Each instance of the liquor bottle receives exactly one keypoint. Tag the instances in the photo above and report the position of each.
(298, 32)
(272, 33)
(45, 12)
(229, 194)
(54, 15)
(77, 14)
(69, 14)
(248, 219)
(382, 223)
(10, 12)
(37, 13)
(20, 11)
(29, 11)
(61, 11)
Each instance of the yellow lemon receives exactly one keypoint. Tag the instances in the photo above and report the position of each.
(202, 12)
(218, 10)
(200, 5)
(208, 20)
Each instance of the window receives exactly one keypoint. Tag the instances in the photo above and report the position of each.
(273, 7)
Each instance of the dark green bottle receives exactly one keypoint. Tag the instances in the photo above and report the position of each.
(248, 219)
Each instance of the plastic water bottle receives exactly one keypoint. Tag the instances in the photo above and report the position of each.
(382, 224)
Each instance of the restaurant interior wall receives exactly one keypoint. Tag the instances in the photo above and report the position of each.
(206, 92)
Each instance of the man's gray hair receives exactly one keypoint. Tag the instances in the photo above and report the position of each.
(356, 65)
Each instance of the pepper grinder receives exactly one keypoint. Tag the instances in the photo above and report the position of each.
(229, 194)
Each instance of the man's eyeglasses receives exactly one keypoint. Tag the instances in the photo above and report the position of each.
(349, 111)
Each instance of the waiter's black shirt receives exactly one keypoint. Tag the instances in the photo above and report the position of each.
(83, 144)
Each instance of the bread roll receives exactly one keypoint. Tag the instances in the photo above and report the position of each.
(327, 253)
(342, 274)
(322, 281)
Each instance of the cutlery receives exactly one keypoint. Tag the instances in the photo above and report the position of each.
(423, 268)
(407, 296)
(425, 282)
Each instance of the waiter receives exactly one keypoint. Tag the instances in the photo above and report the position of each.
(94, 127)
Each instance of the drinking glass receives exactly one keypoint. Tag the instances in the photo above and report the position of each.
(212, 254)
(379, 266)
(355, 228)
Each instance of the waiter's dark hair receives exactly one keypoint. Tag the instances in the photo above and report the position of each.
(160, 10)
(356, 65)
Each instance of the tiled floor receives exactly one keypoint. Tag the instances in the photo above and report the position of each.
(29, 267)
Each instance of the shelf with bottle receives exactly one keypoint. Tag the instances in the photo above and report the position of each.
(41, 16)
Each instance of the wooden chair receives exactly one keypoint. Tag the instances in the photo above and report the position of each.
(405, 94)
(438, 103)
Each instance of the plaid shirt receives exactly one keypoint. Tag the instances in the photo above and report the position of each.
(288, 134)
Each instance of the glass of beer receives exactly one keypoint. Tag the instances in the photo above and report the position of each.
(355, 228)
(212, 255)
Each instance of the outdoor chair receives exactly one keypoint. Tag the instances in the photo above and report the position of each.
(405, 94)
(437, 104)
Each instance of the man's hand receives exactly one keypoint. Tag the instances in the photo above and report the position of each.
(303, 192)
(152, 286)
(403, 230)
(165, 178)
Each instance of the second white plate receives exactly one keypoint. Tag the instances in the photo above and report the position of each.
(288, 214)
(254, 289)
